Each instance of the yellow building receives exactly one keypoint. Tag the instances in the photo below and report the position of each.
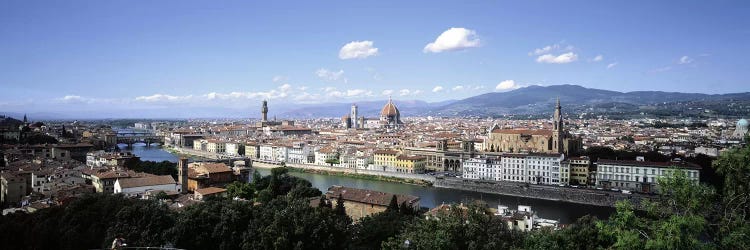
(410, 164)
(385, 158)
(216, 146)
(251, 150)
(579, 170)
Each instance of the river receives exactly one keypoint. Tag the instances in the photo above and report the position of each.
(152, 153)
(429, 196)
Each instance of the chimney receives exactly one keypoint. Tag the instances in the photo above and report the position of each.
(182, 169)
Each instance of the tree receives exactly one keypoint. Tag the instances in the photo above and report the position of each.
(142, 224)
(339, 209)
(323, 202)
(372, 230)
(733, 228)
(392, 205)
(676, 220)
(405, 209)
(240, 190)
(469, 228)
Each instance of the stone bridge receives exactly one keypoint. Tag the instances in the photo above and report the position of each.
(131, 137)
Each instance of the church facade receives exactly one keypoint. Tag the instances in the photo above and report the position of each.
(557, 140)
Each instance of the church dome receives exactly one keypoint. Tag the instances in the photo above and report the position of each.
(389, 109)
(742, 123)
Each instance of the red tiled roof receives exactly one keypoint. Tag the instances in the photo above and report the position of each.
(385, 152)
(523, 131)
(368, 196)
(146, 181)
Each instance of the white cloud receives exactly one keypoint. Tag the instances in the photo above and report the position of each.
(358, 50)
(611, 65)
(458, 88)
(563, 58)
(453, 39)
(544, 50)
(164, 98)
(328, 75)
(685, 60)
(408, 92)
(558, 47)
(437, 89)
(285, 87)
(70, 99)
(507, 85)
(278, 79)
(388, 92)
(598, 58)
(350, 93)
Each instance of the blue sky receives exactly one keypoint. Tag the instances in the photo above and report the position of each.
(69, 56)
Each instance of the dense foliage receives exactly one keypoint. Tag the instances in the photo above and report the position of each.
(152, 167)
(285, 212)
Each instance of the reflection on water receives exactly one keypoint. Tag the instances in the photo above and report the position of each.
(151, 153)
(432, 196)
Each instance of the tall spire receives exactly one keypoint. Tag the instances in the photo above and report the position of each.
(558, 102)
(264, 111)
(24, 119)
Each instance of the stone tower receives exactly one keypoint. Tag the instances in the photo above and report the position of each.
(557, 130)
(353, 116)
(182, 175)
(264, 110)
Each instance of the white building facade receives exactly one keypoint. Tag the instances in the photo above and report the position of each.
(640, 176)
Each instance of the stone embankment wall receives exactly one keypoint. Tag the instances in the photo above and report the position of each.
(556, 193)
(428, 178)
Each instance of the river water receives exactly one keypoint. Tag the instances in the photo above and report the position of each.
(151, 153)
(429, 196)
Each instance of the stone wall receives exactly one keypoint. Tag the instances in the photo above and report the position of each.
(556, 193)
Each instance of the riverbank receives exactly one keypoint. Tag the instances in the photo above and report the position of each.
(593, 197)
(364, 176)
(344, 173)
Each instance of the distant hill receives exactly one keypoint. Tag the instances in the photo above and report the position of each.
(540, 99)
(9, 122)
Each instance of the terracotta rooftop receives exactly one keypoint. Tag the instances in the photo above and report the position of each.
(523, 131)
(385, 152)
(146, 181)
(368, 196)
(210, 190)
(210, 168)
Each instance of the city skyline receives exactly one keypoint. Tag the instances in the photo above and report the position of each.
(113, 56)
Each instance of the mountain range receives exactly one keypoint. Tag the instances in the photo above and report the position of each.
(538, 100)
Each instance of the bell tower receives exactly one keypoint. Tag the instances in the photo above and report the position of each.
(353, 116)
(557, 132)
(264, 110)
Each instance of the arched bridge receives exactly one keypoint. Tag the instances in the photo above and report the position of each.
(131, 137)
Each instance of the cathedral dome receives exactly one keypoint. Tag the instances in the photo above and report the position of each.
(389, 109)
(742, 123)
